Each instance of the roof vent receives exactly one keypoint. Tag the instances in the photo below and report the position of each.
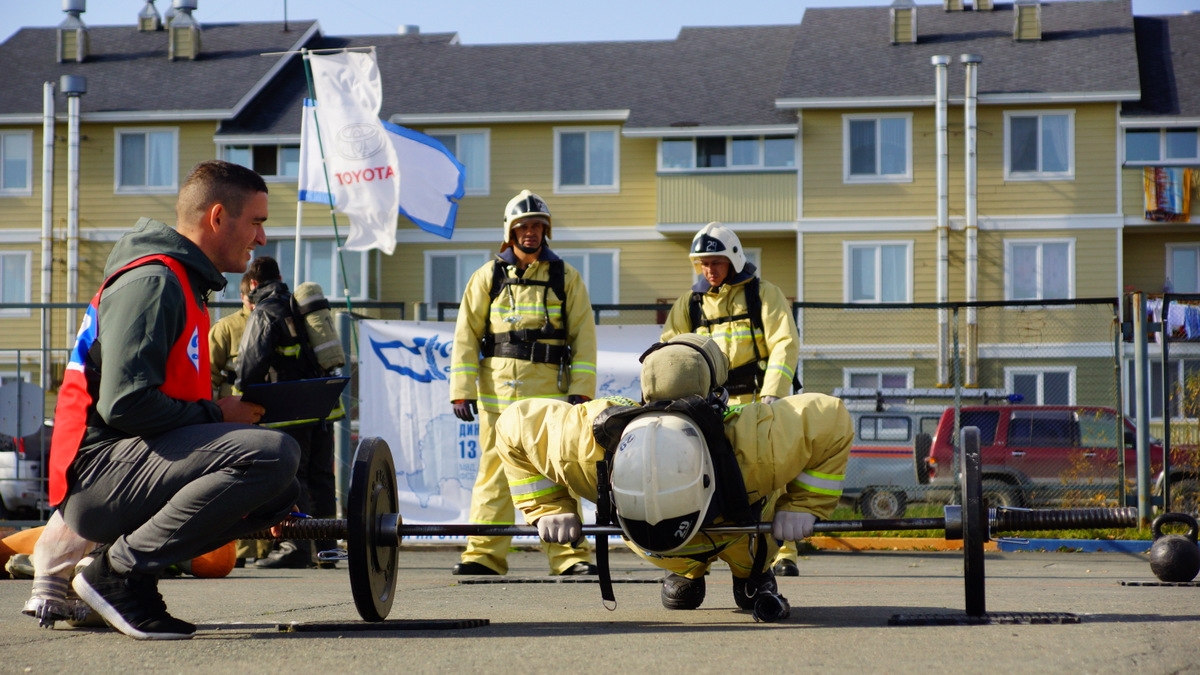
(904, 21)
(1027, 21)
(952, 5)
(73, 41)
(183, 41)
(409, 29)
(148, 19)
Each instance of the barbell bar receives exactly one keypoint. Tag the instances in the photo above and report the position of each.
(373, 527)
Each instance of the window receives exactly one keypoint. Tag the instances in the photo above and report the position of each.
(1098, 429)
(878, 271)
(146, 160)
(14, 281)
(1039, 269)
(1039, 145)
(1183, 268)
(880, 428)
(875, 148)
(599, 271)
(1173, 145)
(1042, 428)
(319, 262)
(1182, 376)
(269, 161)
(586, 160)
(471, 148)
(894, 378)
(734, 153)
(985, 420)
(16, 163)
(1042, 386)
(447, 274)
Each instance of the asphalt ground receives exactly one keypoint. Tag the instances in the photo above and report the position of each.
(841, 605)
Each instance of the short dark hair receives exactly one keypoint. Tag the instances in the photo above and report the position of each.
(217, 181)
(263, 269)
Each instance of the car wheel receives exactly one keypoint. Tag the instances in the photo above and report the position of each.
(879, 503)
(1185, 496)
(1000, 494)
(922, 444)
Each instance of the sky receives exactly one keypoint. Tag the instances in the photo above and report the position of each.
(483, 21)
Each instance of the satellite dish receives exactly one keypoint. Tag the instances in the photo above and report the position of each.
(21, 406)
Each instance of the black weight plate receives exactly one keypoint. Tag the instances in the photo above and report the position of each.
(372, 494)
(974, 517)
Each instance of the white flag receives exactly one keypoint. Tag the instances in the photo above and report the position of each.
(364, 175)
(432, 179)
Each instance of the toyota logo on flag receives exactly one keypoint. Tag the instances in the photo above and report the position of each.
(359, 141)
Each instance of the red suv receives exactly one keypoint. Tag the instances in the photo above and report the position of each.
(1043, 455)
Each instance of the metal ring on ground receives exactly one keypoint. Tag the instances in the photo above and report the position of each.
(370, 551)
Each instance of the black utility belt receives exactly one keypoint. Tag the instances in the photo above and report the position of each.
(745, 379)
(537, 352)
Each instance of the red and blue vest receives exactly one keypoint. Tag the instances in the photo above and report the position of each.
(187, 376)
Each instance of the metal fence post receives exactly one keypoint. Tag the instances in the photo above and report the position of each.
(1142, 403)
(343, 445)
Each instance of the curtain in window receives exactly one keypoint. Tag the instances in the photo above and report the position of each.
(893, 155)
(1055, 143)
(161, 160)
(1185, 273)
(133, 160)
(1022, 153)
(1056, 271)
(600, 158)
(13, 279)
(16, 151)
(472, 152)
(1023, 271)
(862, 147)
(572, 155)
(862, 274)
(894, 273)
(677, 154)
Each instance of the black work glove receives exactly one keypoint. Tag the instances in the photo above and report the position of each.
(464, 408)
(576, 399)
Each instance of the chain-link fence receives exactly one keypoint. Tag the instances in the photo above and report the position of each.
(1173, 394)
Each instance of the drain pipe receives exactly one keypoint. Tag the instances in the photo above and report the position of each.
(73, 86)
(970, 180)
(940, 64)
(47, 227)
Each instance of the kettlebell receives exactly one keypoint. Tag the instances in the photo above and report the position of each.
(1174, 557)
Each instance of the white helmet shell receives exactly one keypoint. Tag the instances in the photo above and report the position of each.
(714, 239)
(662, 481)
(525, 204)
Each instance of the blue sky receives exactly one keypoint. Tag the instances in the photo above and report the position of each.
(484, 21)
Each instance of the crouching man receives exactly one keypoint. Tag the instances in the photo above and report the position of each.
(679, 463)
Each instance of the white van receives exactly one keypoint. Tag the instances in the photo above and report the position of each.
(23, 473)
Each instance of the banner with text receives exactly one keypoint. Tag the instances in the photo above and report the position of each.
(404, 398)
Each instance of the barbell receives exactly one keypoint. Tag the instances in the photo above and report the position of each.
(373, 527)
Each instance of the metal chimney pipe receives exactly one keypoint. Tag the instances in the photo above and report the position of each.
(73, 86)
(47, 227)
(970, 180)
(940, 64)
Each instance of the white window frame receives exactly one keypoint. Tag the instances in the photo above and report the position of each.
(269, 178)
(587, 187)
(729, 167)
(486, 169)
(1011, 371)
(28, 189)
(459, 256)
(26, 260)
(1039, 175)
(332, 293)
(1041, 295)
(1170, 264)
(1162, 147)
(1154, 370)
(880, 372)
(905, 177)
(586, 270)
(847, 272)
(118, 188)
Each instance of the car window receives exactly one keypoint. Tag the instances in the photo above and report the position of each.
(1042, 428)
(1098, 429)
(929, 425)
(884, 428)
(986, 420)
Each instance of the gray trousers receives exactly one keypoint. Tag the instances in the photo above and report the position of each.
(183, 493)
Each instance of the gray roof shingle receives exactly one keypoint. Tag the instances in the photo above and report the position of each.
(1169, 61)
(1086, 48)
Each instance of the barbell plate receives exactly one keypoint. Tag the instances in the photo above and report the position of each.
(974, 516)
(372, 495)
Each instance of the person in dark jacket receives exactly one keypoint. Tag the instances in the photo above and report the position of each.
(143, 460)
(275, 348)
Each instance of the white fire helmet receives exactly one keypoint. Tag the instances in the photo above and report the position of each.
(662, 481)
(714, 239)
(525, 204)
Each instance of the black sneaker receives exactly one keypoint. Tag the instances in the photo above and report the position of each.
(580, 569)
(786, 568)
(288, 556)
(681, 592)
(129, 602)
(473, 568)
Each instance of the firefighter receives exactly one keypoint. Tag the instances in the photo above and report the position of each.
(525, 330)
